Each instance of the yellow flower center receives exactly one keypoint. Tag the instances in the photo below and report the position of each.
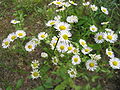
(86, 50)
(65, 37)
(20, 34)
(72, 2)
(29, 46)
(35, 64)
(115, 63)
(100, 37)
(75, 51)
(54, 44)
(91, 64)
(13, 37)
(69, 48)
(83, 43)
(75, 59)
(35, 74)
(62, 27)
(58, 2)
(104, 10)
(52, 23)
(43, 36)
(110, 53)
(72, 73)
(93, 29)
(6, 43)
(109, 37)
(62, 47)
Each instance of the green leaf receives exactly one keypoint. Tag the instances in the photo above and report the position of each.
(48, 83)
(39, 88)
(19, 83)
(61, 86)
(9, 88)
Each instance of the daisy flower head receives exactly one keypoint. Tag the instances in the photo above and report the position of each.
(75, 51)
(83, 43)
(115, 63)
(64, 36)
(86, 3)
(35, 41)
(44, 55)
(12, 36)
(62, 47)
(57, 18)
(62, 26)
(14, 21)
(93, 7)
(35, 74)
(76, 60)
(55, 60)
(86, 50)
(72, 19)
(51, 23)
(58, 3)
(29, 46)
(91, 65)
(72, 2)
(72, 72)
(104, 10)
(6, 43)
(110, 37)
(99, 37)
(110, 53)
(20, 33)
(42, 35)
(70, 48)
(95, 57)
(109, 30)
(105, 23)
(93, 28)
(35, 64)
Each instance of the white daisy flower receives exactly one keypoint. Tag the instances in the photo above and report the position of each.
(51, 23)
(35, 41)
(29, 46)
(91, 65)
(14, 21)
(93, 28)
(55, 60)
(70, 48)
(42, 35)
(63, 26)
(86, 50)
(61, 9)
(6, 43)
(99, 37)
(110, 53)
(64, 36)
(95, 57)
(75, 51)
(109, 30)
(58, 3)
(76, 60)
(86, 3)
(72, 2)
(82, 42)
(53, 42)
(35, 74)
(12, 36)
(104, 10)
(72, 72)
(62, 47)
(72, 19)
(115, 63)
(110, 37)
(93, 7)
(35, 64)
(20, 33)
(105, 23)
(44, 54)
(62, 55)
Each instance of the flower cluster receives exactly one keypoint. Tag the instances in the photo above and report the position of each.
(35, 73)
(12, 36)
